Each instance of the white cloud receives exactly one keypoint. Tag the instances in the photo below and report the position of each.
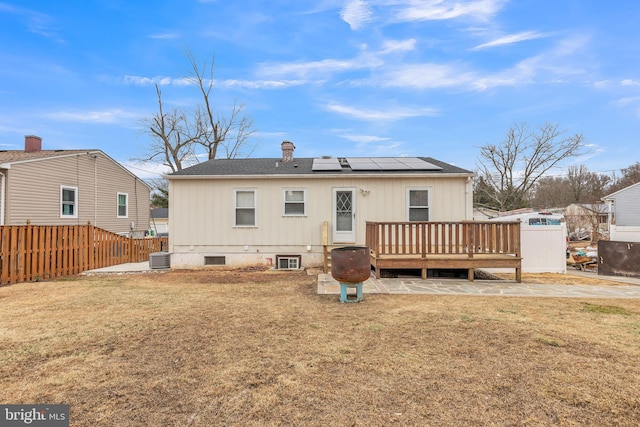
(512, 38)
(159, 80)
(146, 170)
(392, 114)
(428, 10)
(427, 76)
(363, 139)
(165, 36)
(356, 13)
(390, 46)
(629, 82)
(261, 84)
(107, 116)
(314, 68)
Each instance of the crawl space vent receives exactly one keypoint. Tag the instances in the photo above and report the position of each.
(159, 260)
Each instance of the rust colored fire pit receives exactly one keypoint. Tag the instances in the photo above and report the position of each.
(350, 266)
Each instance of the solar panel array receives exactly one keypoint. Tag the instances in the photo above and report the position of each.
(375, 164)
(390, 164)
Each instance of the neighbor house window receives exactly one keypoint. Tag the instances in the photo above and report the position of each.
(68, 202)
(418, 204)
(245, 208)
(123, 205)
(294, 202)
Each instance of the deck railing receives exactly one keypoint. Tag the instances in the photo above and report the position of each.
(446, 238)
(31, 252)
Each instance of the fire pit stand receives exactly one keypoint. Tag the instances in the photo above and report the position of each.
(345, 297)
(350, 266)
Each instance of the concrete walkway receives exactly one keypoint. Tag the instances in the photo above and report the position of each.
(628, 287)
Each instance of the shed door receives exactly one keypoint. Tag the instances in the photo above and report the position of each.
(344, 215)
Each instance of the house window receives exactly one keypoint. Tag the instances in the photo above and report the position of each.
(68, 202)
(123, 205)
(294, 202)
(418, 204)
(245, 208)
(288, 262)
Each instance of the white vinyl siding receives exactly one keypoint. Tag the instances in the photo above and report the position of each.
(245, 208)
(68, 202)
(294, 202)
(196, 224)
(123, 205)
(418, 204)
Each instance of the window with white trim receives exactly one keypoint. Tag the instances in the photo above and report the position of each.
(418, 204)
(245, 208)
(123, 205)
(288, 262)
(68, 202)
(294, 202)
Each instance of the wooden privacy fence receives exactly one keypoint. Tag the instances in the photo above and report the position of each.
(35, 252)
(441, 245)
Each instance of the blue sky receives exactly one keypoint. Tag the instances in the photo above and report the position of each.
(434, 78)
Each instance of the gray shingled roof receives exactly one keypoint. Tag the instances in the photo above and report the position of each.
(301, 166)
(10, 156)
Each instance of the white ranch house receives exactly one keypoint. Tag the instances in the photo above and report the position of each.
(285, 212)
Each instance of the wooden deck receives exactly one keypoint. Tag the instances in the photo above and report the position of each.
(445, 245)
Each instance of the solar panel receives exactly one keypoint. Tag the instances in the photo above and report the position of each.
(326, 165)
(363, 163)
(390, 163)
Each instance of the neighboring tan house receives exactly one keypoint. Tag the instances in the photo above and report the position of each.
(587, 221)
(625, 219)
(159, 222)
(70, 187)
(484, 214)
(282, 211)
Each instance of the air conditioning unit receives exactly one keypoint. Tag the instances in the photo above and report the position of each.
(159, 260)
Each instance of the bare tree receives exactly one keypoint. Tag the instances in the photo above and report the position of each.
(551, 192)
(586, 186)
(231, 132)
(179, 138)
(172, 137)
(630, 175)
(511, 169)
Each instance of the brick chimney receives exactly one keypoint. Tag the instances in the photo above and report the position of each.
(32, 144)
(287, 151)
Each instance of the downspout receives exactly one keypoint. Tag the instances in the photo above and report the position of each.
(2, 194)
(95, 189)
(468, 192)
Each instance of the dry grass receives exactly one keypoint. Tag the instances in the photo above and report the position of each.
(261, 348)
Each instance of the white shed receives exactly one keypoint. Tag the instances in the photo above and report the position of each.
(543, 241)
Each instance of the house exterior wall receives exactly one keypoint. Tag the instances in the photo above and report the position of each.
(202, 214)
(621, 233)
(33, 192)
(627, 206)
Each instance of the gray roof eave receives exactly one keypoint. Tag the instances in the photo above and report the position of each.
(325, 175)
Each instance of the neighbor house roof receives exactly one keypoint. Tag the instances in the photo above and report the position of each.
(601, 208)
(299, 166)
(19, 156)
